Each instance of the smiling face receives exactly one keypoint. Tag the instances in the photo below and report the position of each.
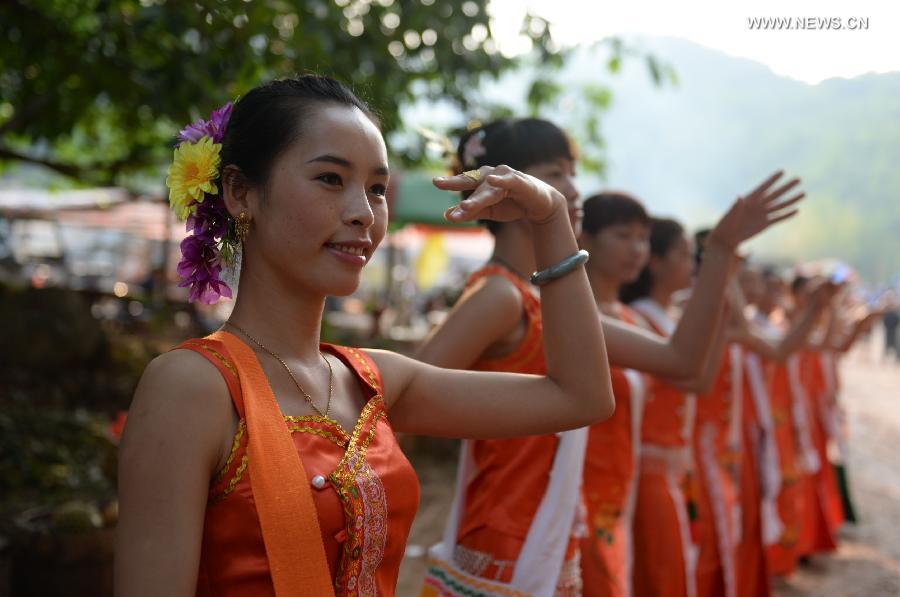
(323, 210)
(560, 174)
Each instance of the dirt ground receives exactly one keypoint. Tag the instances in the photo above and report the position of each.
(868, 561)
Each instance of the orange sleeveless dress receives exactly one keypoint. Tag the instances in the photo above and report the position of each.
(512, 474)
(663, 549)
(717, 463)
(609, 488)
(782, 556)
(752, 569)
(824, 512)
(364, 489)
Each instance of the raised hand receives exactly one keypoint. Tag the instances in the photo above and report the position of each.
(763, 207)
(824, 293)
(502, 194)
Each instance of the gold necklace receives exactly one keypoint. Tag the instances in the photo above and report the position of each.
(308, 398)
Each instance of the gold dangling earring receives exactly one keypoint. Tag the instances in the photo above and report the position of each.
(242, 227)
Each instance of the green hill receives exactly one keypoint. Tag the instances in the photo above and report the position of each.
(688, 149)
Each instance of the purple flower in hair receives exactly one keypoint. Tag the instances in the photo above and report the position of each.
(213, 128)
(210, 219)
(199, 269)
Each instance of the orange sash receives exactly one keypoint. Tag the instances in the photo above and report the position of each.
(287, 514)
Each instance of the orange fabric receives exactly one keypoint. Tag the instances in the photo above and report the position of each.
(287, 514)
(713, 418)
(659, 569)
(608, 472)
(816, 534)
(752, 569)
(826, 478)
(511, 474)
(661, 511)
(363, 510)
(782, 557)
(663, 422)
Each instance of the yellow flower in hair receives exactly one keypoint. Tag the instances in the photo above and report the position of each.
(193, 173)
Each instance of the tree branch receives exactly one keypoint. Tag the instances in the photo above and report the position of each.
(100, 172)
(66, 169)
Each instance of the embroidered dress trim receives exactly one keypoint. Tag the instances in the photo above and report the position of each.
(235, 444)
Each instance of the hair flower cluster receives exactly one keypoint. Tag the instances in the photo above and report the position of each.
(473, 149)
(192, 175)
(194, 195)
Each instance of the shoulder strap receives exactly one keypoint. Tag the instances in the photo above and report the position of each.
(655, 316)
(362, 364)
(531, 304)
(629, 315)
(284, 502)
(493, 269)
(216, 353)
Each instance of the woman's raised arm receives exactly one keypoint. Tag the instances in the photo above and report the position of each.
(683, 355)
(576, 390)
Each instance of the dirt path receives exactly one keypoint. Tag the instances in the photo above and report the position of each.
(868, 561)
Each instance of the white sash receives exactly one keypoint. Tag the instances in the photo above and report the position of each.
(830, 411)
(768, 461)
(636, 389)
(540, 562)
(799, 408)
(712, 474)
(656, 314)
(735, 428)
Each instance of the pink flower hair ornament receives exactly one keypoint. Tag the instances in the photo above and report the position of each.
(193, 180)
(473, 149)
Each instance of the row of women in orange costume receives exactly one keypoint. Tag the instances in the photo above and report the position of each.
(681, 487)
(517, 525)
(796, 352)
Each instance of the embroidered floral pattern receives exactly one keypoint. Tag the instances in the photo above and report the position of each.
(365, 508)
(605, 518)
(359, 488)
(374, 526)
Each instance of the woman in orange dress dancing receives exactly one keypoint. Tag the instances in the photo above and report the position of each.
(259, 461)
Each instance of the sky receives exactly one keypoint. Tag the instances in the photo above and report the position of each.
(810, 55)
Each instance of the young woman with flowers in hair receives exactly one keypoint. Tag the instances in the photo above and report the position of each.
(259, 461)
(514, 527)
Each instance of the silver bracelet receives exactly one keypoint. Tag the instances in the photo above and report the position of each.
(558, 270)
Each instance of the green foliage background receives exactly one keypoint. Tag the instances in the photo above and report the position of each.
(94, 89)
